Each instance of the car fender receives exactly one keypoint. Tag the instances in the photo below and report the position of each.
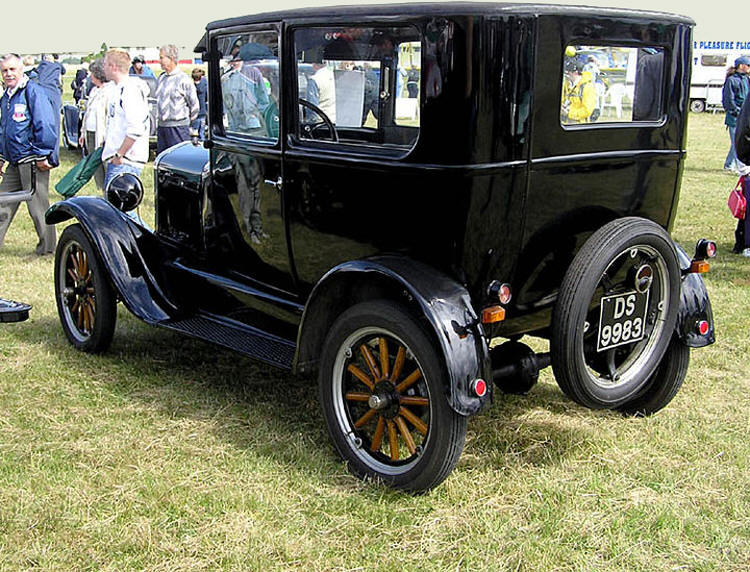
(443, 303)
(695, 306)
(119, 242)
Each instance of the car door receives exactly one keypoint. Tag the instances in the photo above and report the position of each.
(246, 238)
(350, 121)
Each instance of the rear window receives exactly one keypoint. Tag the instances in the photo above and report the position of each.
(611, 84)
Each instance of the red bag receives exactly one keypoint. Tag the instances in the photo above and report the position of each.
(737, 203)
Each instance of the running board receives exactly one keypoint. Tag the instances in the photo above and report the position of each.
(238, 337)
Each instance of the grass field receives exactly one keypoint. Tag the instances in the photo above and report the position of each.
(168, 454)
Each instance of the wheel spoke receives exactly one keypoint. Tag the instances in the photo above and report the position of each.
(393, 440)
(80, 315)
(414, 420)
(365, 418)
(72, 274)
(74, 260)
(384, 358)
(357, 396)
(84, 263)
(377, 438)
(408, 439)
(361, 376)
(418, 401)
(398, 364)
(367, 354)
(409, 381)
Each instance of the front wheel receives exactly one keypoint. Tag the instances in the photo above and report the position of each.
(615, 313)
(86, 301)
(382, 393)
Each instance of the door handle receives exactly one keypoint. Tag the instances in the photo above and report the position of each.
(277, 184)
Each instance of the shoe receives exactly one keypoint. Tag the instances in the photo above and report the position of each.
(746, 253)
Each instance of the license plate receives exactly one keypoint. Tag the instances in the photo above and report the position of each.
(622, 320)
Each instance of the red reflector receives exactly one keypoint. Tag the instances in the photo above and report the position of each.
(711, 249)
(703, 327)
(493, 314)
(699, 267)
(479, 387)
(504, 294)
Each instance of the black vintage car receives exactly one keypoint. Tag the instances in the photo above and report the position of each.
(384, 190)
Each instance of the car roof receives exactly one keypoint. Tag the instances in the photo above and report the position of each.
(330, 13)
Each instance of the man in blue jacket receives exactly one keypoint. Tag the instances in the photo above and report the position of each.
(28, 136)
(733, 95)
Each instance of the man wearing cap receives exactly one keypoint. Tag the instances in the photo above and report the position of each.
(28, 142)
(177, 101)
(140, 68)
(733, 95)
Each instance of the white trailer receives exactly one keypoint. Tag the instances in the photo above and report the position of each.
(711, 59)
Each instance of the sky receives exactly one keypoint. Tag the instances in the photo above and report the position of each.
(83, 25)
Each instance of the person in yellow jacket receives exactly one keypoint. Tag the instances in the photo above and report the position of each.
(579, 94)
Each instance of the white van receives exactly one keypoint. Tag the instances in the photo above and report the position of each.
(710, 63)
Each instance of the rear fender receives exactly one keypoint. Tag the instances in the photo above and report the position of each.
(694, 306)
(439, 301)
(120, 243)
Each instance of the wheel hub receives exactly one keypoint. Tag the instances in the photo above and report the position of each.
(385, 399)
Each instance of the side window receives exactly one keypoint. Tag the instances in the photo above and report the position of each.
(611, 84)
(713, 60)
(359, 85)
(249, 68)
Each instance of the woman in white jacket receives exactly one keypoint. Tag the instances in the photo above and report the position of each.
(94, 122)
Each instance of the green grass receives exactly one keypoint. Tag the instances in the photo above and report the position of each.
(166, 453)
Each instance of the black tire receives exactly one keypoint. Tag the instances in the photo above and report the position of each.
(86, 301)
(664, 383)
(371, 422)
(606, 265)
(697, 105)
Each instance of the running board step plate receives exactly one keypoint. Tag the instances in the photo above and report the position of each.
(238, 337)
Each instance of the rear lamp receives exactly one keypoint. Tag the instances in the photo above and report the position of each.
(703, 327)
(479, 387)
(704, 249)
(499, 290)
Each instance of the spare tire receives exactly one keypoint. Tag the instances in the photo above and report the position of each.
(615, 313)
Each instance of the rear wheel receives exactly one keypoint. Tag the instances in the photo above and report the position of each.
(602, 359)
(86, 301)
(382, 394)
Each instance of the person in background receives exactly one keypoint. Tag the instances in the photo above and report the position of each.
(94, 123)
(79, 83)
(29, 136)
(140, 68)
(126, 134)
(579, 94)
(201, 90)
(733, 95)
(321, 89)
(177, 101)
(742, 148)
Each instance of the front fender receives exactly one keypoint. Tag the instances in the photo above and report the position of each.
(444, 303)
(116, 238)
(694, 306)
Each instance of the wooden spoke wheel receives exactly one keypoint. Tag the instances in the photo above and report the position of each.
(85, 298)
(383, 398)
